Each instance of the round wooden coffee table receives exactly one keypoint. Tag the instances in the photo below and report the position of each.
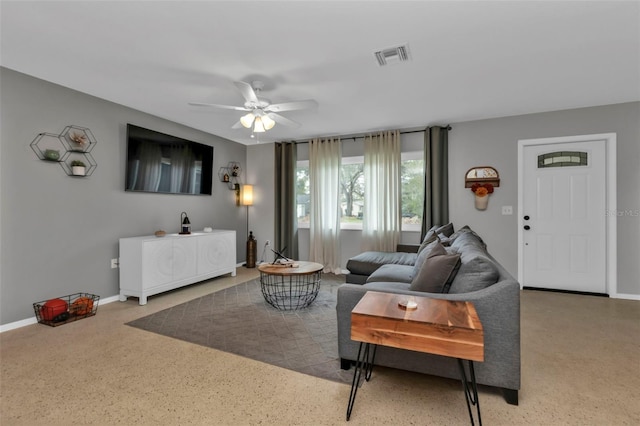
(290, 288)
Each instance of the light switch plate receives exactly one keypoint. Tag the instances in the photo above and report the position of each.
(507, 210)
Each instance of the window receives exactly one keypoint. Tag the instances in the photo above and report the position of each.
(352, 192)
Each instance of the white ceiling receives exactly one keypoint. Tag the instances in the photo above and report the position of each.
(469, 60)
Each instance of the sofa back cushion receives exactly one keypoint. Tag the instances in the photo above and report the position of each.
(477, 269)
(437, 271)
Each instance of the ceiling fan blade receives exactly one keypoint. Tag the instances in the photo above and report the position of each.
(247, 91)
(235, 108)
(291, 106)
(283, 120)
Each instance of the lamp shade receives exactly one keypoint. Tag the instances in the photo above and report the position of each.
(258, 127)
(268, 122)
(247, 120)
(246, 195)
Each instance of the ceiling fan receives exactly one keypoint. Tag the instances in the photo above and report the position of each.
(262, 114)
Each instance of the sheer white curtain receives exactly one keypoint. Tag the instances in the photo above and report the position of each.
(325, 157)
(381, 218)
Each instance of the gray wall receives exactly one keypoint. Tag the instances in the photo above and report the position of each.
(59, 233)
(495, 143)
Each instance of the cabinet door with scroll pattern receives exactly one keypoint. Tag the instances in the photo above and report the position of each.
(216, 252)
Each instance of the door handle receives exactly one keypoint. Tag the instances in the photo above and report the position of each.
(527, 227)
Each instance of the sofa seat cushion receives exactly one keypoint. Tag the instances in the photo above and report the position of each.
(367, 262)
(392, 273)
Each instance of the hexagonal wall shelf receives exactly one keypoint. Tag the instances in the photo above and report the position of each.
(78, 139)
(49, 147)
(70, 148)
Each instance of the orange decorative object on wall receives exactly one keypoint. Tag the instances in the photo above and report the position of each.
(52, 308)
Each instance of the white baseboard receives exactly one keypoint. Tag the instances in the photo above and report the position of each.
(626, 296)
(34, 320)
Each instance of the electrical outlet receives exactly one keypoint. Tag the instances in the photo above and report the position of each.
(114, 263)
(507, 210)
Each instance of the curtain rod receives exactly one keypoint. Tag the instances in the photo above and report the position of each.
(448, 127)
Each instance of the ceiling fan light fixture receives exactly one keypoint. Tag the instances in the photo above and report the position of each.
(258, 127)
(247, 120)
(267, 122)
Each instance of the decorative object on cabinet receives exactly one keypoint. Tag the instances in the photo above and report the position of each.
(150, 265)
(185, 224)
(61, 310)
(74, 142)
(160, 233)
(230, 174)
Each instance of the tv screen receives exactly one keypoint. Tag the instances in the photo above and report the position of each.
(167, 164)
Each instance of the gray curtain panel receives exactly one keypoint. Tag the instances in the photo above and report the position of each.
(436, 181)
(286, 226)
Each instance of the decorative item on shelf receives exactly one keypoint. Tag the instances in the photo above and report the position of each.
(481, 192)
(185, 224)
(230, 174)
(51, 154)
(160, 233)
(78, 140)
(78, 168)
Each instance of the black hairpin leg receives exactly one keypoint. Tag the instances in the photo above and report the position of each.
(362, 363)
(470, 390)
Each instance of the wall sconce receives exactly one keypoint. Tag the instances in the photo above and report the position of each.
(481, 180)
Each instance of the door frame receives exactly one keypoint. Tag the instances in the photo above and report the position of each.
(611, 237)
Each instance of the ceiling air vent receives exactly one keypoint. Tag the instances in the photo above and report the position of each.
(392, 55)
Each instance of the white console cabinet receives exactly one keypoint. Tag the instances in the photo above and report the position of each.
(150, 265)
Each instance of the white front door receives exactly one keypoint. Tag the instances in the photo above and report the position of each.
(563, 216)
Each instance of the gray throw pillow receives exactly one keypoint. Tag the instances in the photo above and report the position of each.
(437, 271)
(423, 254)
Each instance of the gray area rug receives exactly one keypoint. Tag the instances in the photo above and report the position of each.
(239, 321)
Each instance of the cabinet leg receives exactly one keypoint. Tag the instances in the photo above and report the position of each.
(143, 300)
(123, 298)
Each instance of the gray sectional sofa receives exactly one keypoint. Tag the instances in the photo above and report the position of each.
(476, 277)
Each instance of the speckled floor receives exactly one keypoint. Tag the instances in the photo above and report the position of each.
(580, 366)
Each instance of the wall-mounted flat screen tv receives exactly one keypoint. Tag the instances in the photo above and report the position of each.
(166, 164)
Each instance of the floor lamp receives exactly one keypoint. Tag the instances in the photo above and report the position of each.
(246, 199)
